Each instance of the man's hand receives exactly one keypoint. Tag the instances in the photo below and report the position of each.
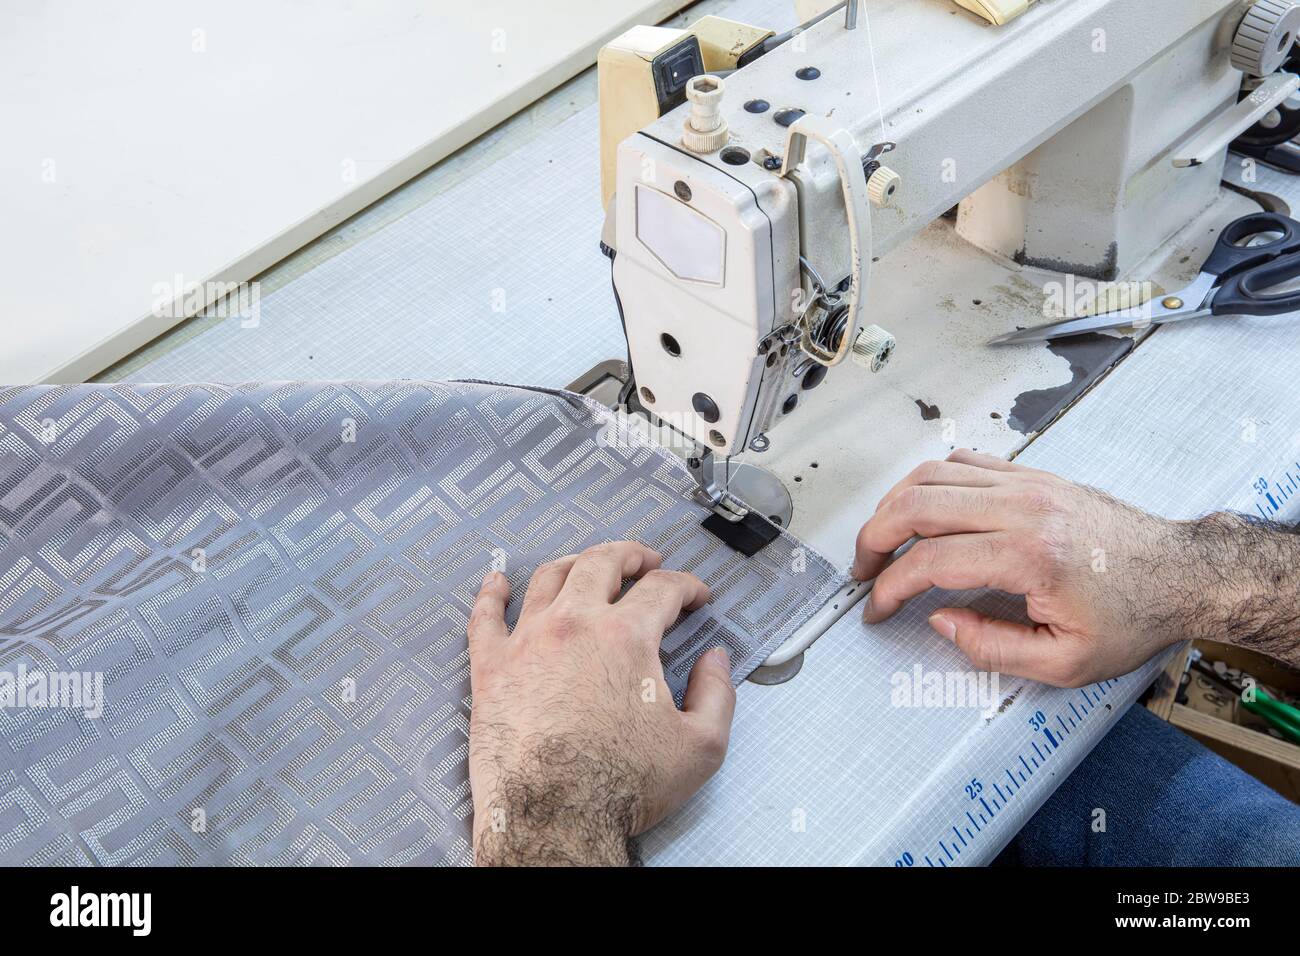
(1107, 584)
(575, 742)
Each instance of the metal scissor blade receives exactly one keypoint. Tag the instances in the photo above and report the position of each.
(1066, 328)
(1187, 304)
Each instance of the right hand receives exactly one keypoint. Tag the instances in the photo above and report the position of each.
(1106, 584)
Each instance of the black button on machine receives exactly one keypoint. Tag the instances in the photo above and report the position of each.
(706, 407)
(814, 376)
(672, 70)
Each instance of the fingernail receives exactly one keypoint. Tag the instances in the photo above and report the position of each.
(944, 626)
(720, 657)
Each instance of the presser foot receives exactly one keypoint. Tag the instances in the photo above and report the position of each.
(769, 504)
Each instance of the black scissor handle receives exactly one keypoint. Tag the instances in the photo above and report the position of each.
(1230, 257)
(1243, 294)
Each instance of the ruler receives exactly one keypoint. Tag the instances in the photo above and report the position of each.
(1004, 771)
(1273, 492)
(1046, 726)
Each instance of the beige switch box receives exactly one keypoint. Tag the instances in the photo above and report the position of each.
(996, 12)
(628, 100)
(634, 92)
(723, 42)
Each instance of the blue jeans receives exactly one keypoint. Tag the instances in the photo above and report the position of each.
(1168, 801)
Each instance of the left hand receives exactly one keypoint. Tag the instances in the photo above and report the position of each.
(575, 742)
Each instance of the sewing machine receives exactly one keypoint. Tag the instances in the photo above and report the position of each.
(751, 182)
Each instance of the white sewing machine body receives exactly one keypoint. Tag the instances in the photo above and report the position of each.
(1056, 135)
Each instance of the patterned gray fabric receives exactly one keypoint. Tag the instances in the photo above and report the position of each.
(271, 584)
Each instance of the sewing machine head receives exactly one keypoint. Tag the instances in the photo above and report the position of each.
(750, 191)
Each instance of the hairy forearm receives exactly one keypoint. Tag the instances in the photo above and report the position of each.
(1236, 581)
(559, 804)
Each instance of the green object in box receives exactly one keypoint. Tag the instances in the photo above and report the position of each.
(1282, 716)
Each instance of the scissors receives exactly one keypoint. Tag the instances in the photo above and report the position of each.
(1232, 282)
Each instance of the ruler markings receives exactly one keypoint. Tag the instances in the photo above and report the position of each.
(1274, 491)
(1032, 756)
